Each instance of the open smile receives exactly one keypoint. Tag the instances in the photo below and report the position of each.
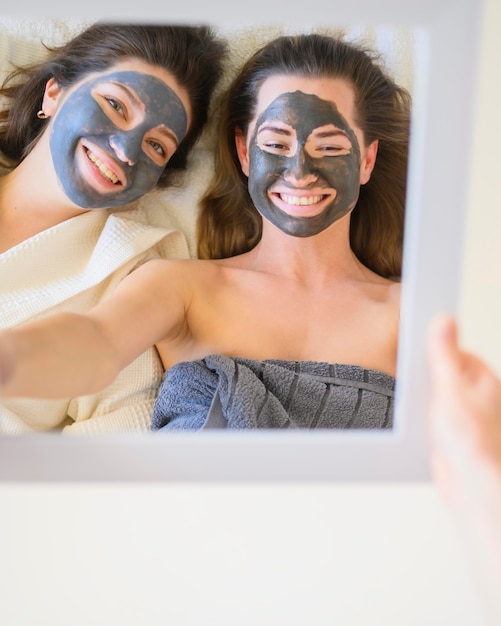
(301, 200)
(304, 204)
(104, 170)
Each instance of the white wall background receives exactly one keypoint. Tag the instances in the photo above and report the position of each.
(481, 296)
(223, 555)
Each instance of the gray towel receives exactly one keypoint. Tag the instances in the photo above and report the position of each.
(237, 393)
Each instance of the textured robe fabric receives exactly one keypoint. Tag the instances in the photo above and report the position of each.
(238, 393)
(71, 267)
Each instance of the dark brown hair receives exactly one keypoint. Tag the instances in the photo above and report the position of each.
(229, 224)
(192, 54)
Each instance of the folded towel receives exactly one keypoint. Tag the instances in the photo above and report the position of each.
(238, 393)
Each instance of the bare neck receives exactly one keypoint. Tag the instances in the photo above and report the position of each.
(31, 201)
(313, 261)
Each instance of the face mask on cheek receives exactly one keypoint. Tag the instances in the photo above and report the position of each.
(82, 118)
(304, 113)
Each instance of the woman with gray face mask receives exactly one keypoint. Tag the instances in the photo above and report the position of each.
(104, 119)
(292, 318)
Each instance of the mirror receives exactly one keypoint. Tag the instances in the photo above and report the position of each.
(443, 72)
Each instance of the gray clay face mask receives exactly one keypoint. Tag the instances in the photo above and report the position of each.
(300, 115)
(84, 122)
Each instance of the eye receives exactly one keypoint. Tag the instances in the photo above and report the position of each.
(274, 145)
(275, 141)
(328, 141)
(333, 149)
(157, 151)
(116, 105)
(328, 150)
(157, 147)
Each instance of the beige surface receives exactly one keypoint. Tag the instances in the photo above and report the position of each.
(230, 556)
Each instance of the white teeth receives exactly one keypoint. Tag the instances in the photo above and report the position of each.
(105, 171)
(300, 200)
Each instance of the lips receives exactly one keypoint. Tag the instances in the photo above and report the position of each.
(103, 168)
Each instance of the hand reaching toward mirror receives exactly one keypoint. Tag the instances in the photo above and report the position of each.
(465, 431)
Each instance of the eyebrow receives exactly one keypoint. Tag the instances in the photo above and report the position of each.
(275, 129)
(164, 130)
(131, 93)
(330, 133)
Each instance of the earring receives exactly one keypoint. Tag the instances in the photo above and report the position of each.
(41, 115)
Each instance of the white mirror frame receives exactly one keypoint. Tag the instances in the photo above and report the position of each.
(439, 174)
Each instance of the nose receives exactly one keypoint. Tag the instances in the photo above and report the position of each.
(126, 146)
(300, 170)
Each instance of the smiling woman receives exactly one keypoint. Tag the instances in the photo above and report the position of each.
(119, 107)
(300, 129)
(369, 108)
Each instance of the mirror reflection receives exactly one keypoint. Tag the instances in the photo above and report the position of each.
(203, 233)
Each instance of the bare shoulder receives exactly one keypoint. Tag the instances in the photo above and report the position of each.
(382, 289)
(175, 269)
(391, 298)
(394, 292)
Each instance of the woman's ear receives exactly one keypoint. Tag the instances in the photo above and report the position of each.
(50, 97)
(242, 152)
(368, 162)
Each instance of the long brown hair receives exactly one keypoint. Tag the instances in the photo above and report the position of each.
(192, 54)
(229, 224)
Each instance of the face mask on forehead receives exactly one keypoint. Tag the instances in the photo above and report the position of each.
(304, 113)
(80, 117)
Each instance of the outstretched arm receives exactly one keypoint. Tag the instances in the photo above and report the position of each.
(64, 353)
(70, 354)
